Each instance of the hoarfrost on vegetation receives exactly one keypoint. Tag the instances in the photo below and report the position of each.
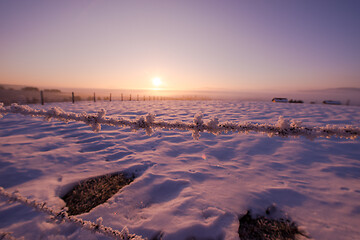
(284, 127)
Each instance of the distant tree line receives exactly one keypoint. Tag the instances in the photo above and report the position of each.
(34, 89)
(52, 90)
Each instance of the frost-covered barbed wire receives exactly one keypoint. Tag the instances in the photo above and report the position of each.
(62, 216)
(284, 127)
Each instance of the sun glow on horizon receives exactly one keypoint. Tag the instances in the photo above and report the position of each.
(156, 81)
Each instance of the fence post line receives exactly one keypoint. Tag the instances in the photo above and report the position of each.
(42, 97)
(94, 97)
(110, 97)
(73, 97)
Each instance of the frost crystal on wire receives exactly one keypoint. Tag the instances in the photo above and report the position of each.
(284, 127)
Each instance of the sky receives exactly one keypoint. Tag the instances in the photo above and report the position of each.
(188, 44)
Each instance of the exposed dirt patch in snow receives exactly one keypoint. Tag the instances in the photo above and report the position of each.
(93, 192)
(264, 228)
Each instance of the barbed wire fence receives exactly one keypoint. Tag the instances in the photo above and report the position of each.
(62, 216)
(283, 128)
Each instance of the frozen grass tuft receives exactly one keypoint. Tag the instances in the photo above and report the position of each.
(95, 191)
(263, 228)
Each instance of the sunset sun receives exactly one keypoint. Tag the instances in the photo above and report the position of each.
(156, 81)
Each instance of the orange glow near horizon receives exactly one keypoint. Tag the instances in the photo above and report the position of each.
(238, 46)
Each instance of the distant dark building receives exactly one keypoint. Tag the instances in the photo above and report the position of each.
(282, 100)
(296, 101)
(331, 102)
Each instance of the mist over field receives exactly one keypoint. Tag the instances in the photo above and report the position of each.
(347, 96)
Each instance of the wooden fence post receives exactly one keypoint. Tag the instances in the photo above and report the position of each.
(94, 98)
(137, 97)
(110, 97)
(130, 98)
(42, 97)
(122, 97)
(73, 97)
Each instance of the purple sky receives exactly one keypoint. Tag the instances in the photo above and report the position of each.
(191, 44)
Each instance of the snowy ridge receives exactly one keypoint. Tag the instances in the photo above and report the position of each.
(283, 128)
(63, 216)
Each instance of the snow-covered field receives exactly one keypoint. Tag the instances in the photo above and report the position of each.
(184, 187)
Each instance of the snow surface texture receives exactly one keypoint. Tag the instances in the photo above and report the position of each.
(184, 187)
